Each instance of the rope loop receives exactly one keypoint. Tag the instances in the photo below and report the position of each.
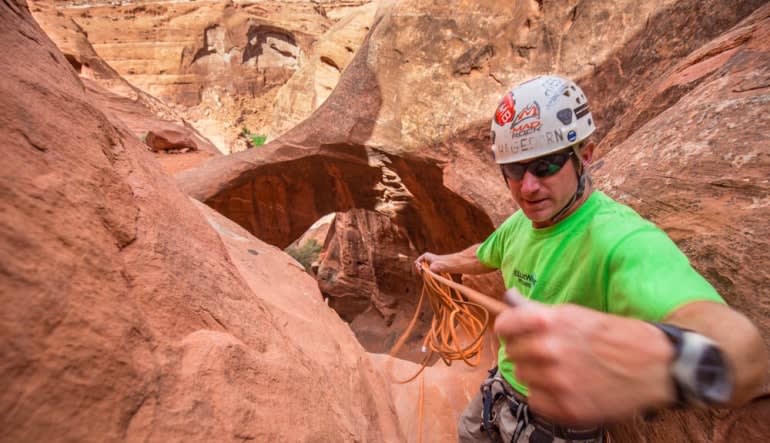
(457, 328)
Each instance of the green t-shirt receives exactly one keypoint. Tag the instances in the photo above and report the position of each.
(603, 256)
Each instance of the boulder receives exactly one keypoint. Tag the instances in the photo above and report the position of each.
(170, 140)
(132, 313)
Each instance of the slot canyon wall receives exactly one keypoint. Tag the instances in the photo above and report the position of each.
(376, 111)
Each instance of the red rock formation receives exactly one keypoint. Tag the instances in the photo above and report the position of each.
(222, 61)
(414, 100)
(123, 103)
(317, 77)
(366, 271)
(170, 139)
(699, 169)
(430, 406)
(131, 314)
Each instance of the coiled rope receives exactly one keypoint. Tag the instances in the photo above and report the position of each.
(460, 317)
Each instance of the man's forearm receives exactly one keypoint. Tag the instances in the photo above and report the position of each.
(738, 338)
(463, 262)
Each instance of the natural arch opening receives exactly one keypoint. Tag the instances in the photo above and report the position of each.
(388, 210)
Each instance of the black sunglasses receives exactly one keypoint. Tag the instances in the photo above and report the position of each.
(541, 167)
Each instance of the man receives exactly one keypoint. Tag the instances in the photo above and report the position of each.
(614, 321)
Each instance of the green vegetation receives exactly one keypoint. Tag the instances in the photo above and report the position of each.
(254, 139)
(305, 254)
(258, 140)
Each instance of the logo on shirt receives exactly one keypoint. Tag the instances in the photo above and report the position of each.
(528, 280)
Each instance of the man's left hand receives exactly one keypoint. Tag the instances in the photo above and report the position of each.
(586, 367)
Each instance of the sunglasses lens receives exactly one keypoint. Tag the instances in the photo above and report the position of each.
(548, 166)
(514, 171)
(542, 167)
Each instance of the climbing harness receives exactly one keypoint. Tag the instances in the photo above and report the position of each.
(501, 404)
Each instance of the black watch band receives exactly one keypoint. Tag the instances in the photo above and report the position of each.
(699, 370)
(675, 336)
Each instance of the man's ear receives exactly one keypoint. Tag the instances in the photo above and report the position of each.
(587, 153)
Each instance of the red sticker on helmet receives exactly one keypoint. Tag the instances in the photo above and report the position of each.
(528, 120)
(506, 110)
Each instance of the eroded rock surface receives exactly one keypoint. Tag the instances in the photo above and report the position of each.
(366, 271)
(315, 80)
(122, 102)
(416, 97)
(700, 170)
(223, 62)
(130, 313)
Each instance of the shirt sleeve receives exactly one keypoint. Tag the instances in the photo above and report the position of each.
(649, 277)
(492, 251)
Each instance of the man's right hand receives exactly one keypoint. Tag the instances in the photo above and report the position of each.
(428, 258)
(463, 262)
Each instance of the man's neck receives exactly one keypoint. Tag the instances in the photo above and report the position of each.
(575, 206)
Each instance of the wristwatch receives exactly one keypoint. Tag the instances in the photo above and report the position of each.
(700, 372)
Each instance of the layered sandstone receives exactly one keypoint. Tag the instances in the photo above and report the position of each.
(699, 169)
(366, 272)
(221, 62)
(132, 313)
(122, 102)
(415, 100)
(314, 80)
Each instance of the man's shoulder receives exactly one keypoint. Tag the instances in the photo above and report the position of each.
(514, 221)
(612, 221)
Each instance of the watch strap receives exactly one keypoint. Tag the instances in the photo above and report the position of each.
(676, 336)
(699, 371)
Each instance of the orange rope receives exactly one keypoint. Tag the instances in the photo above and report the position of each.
(458, 325)
(420, 406)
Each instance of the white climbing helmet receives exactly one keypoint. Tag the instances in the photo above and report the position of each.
(538, 117)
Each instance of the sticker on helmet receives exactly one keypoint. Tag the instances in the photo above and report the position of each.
(552, 86)
(505, 110)
(565, 116)
(571, 135)
(527, 121)
(581, 111)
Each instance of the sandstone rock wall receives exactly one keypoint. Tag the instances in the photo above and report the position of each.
(417, 91)
(222, 62)
(132, 314)
(699, 168)
(123, 103)
(366, 271)
(315, 80)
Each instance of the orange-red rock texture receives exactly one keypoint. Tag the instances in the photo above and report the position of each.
(220, 64)
(130, 312)
(123, 103)
(412, 101)
(168, 320)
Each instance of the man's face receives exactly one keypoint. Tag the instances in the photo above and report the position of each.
(542, 197)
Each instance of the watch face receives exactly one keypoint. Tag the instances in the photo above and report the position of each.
(700, 370)
(712, 380)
